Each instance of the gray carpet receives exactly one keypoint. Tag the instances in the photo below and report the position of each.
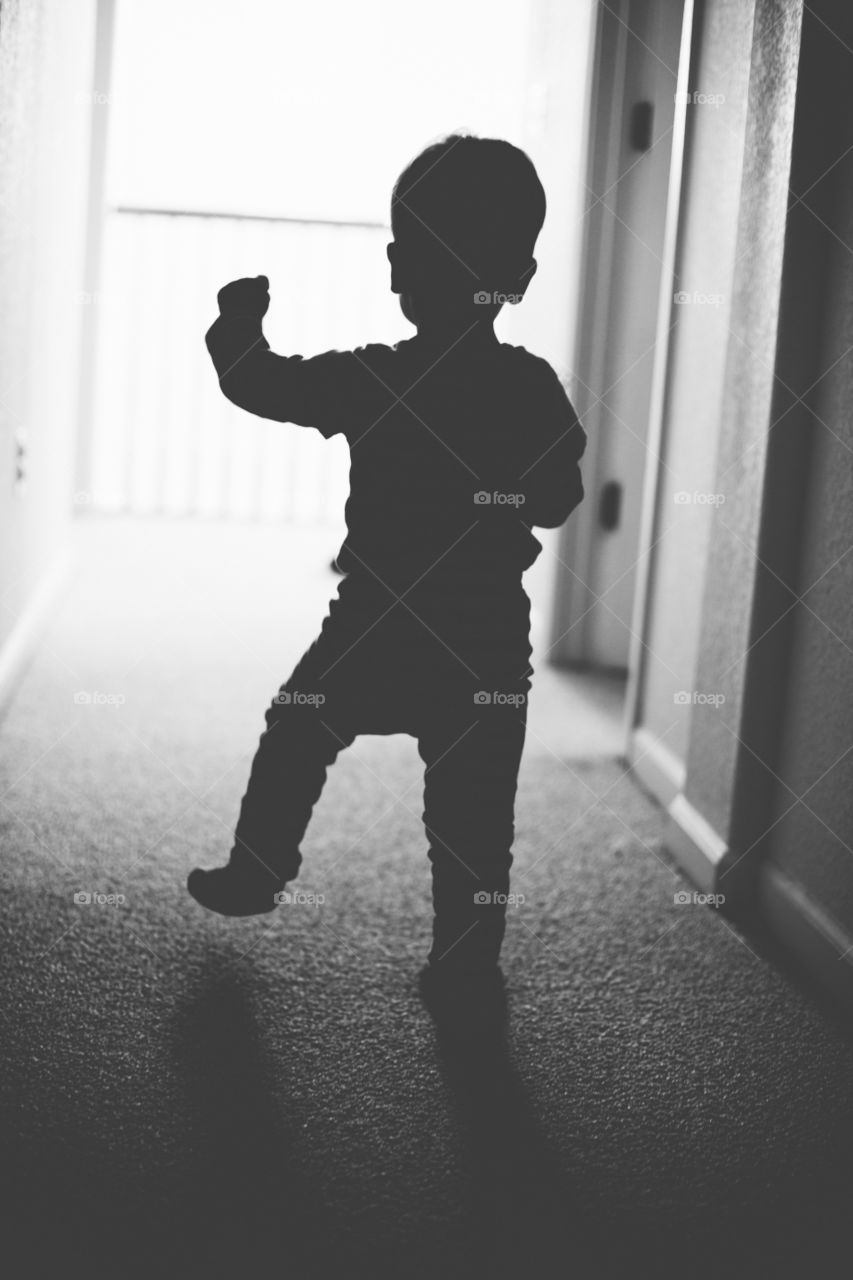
(208, 1097)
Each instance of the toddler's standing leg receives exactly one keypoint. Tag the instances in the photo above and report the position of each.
(472, 758)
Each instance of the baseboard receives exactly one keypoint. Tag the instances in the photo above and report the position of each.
(692, 841)
(20, 642)
(655, 766)
(697, 848)
(818, 943)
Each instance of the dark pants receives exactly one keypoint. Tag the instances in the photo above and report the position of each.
(440, 674)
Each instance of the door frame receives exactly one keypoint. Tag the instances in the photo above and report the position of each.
(657, 406)
(568, 641)
(570, 638)
(99, 134)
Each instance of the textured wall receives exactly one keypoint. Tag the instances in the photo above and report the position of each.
(759, 412)
(707, 248)
(45, 74)
(811, 841)
(747, 410)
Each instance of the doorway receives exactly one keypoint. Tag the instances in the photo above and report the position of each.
(202, 183)
(629, 217)
(211, 171)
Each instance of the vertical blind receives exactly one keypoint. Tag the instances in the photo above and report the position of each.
(165, 440)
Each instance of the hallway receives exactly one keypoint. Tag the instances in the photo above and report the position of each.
(225, 1095)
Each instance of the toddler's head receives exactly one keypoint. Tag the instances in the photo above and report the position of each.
(465, 215)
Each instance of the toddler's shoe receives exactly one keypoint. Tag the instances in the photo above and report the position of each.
(467, 1004)
(235, 892)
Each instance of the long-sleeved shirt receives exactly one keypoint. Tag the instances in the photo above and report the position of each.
(454, 453)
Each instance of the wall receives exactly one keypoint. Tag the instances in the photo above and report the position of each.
(704, 574)
(737, 643)
(45, 80)
(699, 340)
(749, 605)
(806, 876)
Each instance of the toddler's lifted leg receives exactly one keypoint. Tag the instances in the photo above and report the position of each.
(287, 777)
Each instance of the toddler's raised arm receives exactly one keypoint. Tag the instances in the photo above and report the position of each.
(311, 392)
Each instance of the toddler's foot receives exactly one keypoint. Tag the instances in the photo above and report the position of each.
(232, 892)
(467, 1005)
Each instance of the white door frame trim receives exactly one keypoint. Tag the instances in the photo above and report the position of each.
(657, 409)
(573, 597)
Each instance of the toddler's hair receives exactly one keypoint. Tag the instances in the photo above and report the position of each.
(469, 202)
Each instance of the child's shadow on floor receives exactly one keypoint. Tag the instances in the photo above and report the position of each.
(246, 1197)
(522, 1205)
(245, 1194)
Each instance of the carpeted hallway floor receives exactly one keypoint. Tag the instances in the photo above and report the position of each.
(187, 1096)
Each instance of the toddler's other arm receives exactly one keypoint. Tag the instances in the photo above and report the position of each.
(552, 483)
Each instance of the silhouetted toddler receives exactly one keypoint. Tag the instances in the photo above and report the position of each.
(459, 444)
